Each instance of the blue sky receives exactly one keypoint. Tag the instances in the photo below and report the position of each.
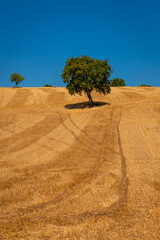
(37, 37)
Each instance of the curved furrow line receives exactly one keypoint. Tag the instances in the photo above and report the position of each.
(143, 131)
(75, 186)
(90, 138)
(115, 208)
(19, 98)
(22, 139)
(3, 127)
(82, 130)
(72, 132)
(40, 98)
(10, 142)
(2, 95)
(34, 99)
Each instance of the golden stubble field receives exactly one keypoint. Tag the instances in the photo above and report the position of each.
(74, 173)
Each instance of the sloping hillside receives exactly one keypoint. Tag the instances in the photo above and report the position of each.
(73, 172)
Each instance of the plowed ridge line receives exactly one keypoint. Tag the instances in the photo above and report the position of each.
(117, 206)
(70, 190)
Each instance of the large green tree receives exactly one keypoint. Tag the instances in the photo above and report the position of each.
(85, 74)
(17, 78)
(115, 82)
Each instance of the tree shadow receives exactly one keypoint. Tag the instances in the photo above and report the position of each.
(83, 105)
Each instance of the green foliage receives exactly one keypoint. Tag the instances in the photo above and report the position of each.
(144, 85)
(47, 85)
(117, 82)
(85, 74)
(17, 78)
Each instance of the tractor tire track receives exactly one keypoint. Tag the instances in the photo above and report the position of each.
(76, 185)
(115, 208)
(82, 130)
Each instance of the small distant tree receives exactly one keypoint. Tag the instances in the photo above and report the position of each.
(144, 85)
(85, 74)
(17, 78)
(47, 85)
(117, 82)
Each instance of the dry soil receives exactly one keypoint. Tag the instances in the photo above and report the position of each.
(72, 172)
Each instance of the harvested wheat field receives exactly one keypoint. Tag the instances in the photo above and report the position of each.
(72, 172)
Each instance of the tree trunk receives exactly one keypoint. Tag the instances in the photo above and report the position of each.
(90, 98)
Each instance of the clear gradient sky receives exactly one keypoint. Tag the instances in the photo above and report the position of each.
(37, 37)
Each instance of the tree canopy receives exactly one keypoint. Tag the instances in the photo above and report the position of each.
(47, 85)
(117, 82)
(17, 78)
(85, 74)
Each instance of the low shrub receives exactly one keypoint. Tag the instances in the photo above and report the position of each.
(47, 85)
